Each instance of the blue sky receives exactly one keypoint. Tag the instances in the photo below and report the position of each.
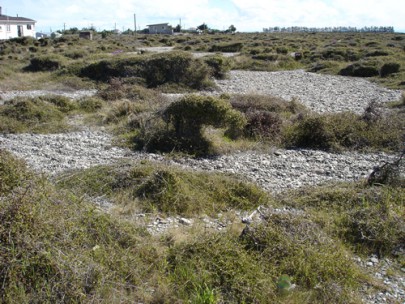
(245, 15)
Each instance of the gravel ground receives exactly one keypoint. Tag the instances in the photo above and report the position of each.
(275, 170)
(321, 93)
(70, 94)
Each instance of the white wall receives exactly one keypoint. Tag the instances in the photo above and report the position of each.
(13, 33)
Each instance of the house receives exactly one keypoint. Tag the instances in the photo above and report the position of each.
(160, 28)
(13, 27)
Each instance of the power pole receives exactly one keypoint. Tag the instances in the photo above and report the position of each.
(135, 25)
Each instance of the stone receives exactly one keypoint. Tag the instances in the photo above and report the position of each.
(185, 221)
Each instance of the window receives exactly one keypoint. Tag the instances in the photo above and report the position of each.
(1, 28)
(8, 28)
(29, 27)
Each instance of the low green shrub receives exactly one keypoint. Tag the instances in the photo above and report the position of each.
(227, 47)
(75, 54)
(370, 219)
(266, 57)
(58, 248)
(389, 68)
(156, 69)
(64, 104)
(13, 173)
(345, 131)
(184, 123)
(377, 53)
(220, 65)
(359, 70)
(263, 125)
(157, 188)
(31, 114)
(175, 67)
(46, 63)
(90, 104)
(311, 132)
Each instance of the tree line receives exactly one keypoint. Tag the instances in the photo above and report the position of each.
(339, 29)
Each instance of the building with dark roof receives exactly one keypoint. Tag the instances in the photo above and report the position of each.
(160, 28)
(13, 27)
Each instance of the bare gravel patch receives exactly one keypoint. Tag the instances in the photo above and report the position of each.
(321, 93)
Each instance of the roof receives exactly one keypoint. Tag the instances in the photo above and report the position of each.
(15, 19)
(157, 24)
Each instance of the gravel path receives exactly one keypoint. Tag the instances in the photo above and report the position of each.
(321, 93)
(70, 94)
(274, 171)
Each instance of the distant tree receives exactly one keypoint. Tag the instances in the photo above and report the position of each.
(72, 30)
(232, 29)
(202, 27)
(177, 29)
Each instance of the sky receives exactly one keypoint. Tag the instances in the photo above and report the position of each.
(245, 15)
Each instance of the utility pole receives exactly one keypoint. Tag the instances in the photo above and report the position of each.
(135, 25)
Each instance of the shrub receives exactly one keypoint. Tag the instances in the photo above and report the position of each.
(185, 120)
(377, 53)
(389, 68)
(345, 130)
(90, 104)
(31, 114)
(263, 125)
(122, 109)
(266, 57)
(254, 102)
(175, 67)
(220, 65)
(311, 132)
(64, 104)
(13, 173)
(359, 70)
(75, 54)
(227, 47)
(157, 69)
(46, 63)
(161, 188)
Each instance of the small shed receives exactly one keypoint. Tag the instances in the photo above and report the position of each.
(160, 28)
(86, 35)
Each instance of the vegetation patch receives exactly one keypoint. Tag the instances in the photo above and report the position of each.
(182, 124)
(46, 63)
(13, 173)
(37, 115)
(345, 131)
(168, 190)
(368, 218)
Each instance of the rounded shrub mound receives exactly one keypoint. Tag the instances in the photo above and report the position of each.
(185, 121)
(32, 114)
(389, 68)
(359, 70)
(175, 67)
(46, 63)
(220, 65)
(13, 172)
